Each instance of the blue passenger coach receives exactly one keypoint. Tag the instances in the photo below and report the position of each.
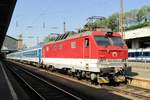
(139, 55)
(31, 55)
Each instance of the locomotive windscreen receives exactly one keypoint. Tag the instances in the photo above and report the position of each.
(117, 41)
(106, 41)
(102, 40)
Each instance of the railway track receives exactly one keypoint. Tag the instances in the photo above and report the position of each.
(43, 89)
(130, 91)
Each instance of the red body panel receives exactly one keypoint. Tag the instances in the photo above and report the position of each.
(75, 48)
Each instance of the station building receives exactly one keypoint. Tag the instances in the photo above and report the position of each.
(138, 38)
(11, 44)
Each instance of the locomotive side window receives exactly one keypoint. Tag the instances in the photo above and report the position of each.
(86, 42)
(102, 41)
(73, 44)
(54, 46)
(60, 46)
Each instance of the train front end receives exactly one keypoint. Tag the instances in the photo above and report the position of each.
(111, 52)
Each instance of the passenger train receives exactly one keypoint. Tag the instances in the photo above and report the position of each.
(98, 56)
(31, 55)
(139, 55)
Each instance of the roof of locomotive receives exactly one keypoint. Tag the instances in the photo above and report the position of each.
(70, 35)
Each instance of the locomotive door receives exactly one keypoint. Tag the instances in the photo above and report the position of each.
(86, 47)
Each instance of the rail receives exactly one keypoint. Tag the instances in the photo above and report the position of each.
(131, 91)
(43, 89)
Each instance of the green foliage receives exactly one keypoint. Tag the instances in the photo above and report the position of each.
(89, 26)
(46, 39)
(101, 23)
(112, 21)
(139, 26)
(141, 13)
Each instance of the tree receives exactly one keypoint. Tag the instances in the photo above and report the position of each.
(46, 39)
(140, 15)
(89, 26)
(101, 23)
(113, 22)
(142, 12)
(133, 17)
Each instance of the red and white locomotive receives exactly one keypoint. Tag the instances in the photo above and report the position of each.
(100, 56)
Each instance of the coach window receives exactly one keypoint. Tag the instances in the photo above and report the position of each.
(137, 54)
(130, 54)
(146, 54)
(86, 42)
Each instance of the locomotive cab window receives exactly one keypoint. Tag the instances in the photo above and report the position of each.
(117, 41)
(86, 42)
(102, 40)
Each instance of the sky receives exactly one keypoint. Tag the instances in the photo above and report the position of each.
(35, 19)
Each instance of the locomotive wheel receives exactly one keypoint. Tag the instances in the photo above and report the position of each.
(38, 65)
(47, 67)
(69, 72)
(78, 75)
(73, 74)
(83, 74)
(93, 77)
(52, 68)
(44, 66)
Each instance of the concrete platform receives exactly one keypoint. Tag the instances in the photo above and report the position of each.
(140, 70)
(140, 75)
(6, 90)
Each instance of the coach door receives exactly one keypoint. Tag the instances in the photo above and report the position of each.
(86, 47)
(39, 55)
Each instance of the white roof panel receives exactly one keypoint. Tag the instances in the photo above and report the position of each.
(137, 33)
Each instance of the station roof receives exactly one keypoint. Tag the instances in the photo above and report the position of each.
(9, 44)
(6, 11)
(137, 33)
